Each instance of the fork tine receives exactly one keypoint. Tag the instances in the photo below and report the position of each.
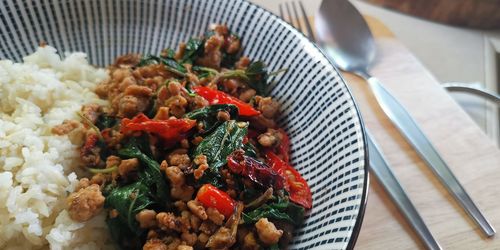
(307, 23)
(290, 17)
(297, 17)
(282, 15)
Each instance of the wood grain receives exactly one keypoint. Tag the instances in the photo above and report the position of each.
(483, 14)
(474, 159)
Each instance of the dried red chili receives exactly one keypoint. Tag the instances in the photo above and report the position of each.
(296, 185)
(255, 170)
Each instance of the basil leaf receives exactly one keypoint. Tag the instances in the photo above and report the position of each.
(265, 211)
(208, 115)
(257, 75)
(106, 121)
(170, 64)
(274, 247)
(151, 174)
(168, 53)
(250, 150)
(141, 142)
(148, 60)
(122, 235)
(224, 140)
(282, 209)
(149, 191)
(194, 49)
(296, 212)
(203, 70)
(174, 65)
(128, 201)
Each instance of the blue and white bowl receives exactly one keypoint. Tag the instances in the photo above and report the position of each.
(318, 111)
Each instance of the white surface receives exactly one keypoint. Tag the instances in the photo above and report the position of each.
(452, 54)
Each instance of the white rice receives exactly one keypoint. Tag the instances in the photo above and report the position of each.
(37, 169)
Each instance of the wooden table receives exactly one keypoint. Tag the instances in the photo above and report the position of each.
(472, 156)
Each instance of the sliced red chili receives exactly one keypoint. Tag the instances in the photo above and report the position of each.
(171, 130)
(213, 197)
(284, 146)
(218, 97)
(296, 185)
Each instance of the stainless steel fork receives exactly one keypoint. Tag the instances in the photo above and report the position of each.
(378, 165)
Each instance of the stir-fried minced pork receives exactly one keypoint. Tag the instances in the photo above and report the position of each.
(85, 203)
(188, 154)
(267, 231)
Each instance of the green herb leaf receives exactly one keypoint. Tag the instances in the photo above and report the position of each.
(151, 176)
(281, 209)
(128, 201)
(194, 49)
(250, 150)
(169, 53)
(122, 235)
(150, 190)
(257, 75)
(224, 140)
(296, 212)
(265, 211)
(170, 64)
(106, 121)
(148, 60)
(274, 247)
(208, 115)
(209, 71)
(173, 64)
(189, 90)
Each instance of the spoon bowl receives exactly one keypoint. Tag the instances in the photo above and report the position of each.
(352, 47)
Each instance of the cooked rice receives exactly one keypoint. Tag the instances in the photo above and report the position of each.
(37, 169)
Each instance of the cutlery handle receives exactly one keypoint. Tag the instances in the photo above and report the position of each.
(408, 127)
(384, 174)
(490, 95)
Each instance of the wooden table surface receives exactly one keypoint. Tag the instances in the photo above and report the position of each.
(472, 156)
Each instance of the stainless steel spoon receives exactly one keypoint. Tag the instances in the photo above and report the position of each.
(344, 34)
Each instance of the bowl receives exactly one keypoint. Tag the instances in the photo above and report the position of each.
(317, 108)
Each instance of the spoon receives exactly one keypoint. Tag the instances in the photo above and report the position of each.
(345, 36)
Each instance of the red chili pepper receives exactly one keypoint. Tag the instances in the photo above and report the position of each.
(90, 143)
(170, 130)
(300, 192)
(218, 97)
(255, 170)
(213, 197)
(284, 146)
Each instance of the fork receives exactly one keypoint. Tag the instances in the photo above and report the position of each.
(378, 165)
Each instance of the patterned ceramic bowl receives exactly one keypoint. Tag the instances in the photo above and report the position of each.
(318, 111)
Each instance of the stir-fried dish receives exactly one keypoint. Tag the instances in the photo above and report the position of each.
(187, 155)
